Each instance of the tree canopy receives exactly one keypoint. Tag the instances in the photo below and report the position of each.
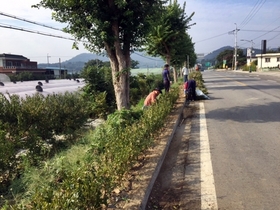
(115, 26)
(227, 57)
(168, 37)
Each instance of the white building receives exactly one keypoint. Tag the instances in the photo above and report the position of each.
(268, 61)
(251, 56)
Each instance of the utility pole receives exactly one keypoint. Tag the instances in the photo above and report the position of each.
(48, 70)
(235, 47)
(251, 51)
(234, 62)
(48, 58)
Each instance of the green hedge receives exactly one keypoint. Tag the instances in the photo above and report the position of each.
(29, 127)
(197, 76)
(112, 150)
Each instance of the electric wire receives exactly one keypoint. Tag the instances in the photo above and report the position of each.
(212, 37)
(249, 13)
(34, 32)
(267, 32)
(252, 13)
(42, 33)
(259, 30)
(29, 21)
(146, 57)
(274, 37)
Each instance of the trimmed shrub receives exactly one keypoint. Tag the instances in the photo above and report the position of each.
(197, 76)
(114, 148)
(29, 128)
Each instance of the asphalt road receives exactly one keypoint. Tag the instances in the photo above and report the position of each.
(54, 86)
(243, 123)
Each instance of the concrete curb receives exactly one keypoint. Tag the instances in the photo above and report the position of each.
(160, 162)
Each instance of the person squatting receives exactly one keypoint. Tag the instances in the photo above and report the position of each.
(189, 90)
(151, 98)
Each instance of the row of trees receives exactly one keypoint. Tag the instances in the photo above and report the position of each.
(118, 27)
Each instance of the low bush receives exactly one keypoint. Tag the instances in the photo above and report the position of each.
(197, 76)
(29, 129)
(253, 67)
(108, 154)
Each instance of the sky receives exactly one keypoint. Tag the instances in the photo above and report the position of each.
(255, 20)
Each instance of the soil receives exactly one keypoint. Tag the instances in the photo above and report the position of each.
(169, 184)
(170, 187)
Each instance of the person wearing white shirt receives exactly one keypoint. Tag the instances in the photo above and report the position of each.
(185, 72)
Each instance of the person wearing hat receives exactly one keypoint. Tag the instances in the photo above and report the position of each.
(152, 97)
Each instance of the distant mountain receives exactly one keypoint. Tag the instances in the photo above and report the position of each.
(77, 63)
(213, 55)
(85, 57)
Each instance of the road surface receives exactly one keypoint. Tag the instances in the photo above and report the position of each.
(243, 121)
(233, 146)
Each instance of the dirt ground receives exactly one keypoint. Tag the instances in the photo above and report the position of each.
(167, 188)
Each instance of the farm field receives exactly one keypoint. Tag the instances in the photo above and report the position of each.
(146, 71)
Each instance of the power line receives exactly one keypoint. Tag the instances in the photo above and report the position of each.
(34, 32)
(42, 33)
(29, 21)
(273, 30)
(56, 36)
(146, 57)
(253, 12)
(267, 32)
(212, 37)
(274, 37)
(259, 30)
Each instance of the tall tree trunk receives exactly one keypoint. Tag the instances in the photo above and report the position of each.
(175, 74)
(120, 65)
(120, 75)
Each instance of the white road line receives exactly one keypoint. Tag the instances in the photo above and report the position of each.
(208, 191)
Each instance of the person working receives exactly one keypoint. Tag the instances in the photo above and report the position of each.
(166, 78)
(152, 97)
(185, 72)
(189, 89)
(186, 89)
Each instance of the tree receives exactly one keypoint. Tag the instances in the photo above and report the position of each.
(169, 33)
(226, 55)
(98, 88)
(115, 26)
(134, 64)
(241, 57)
(184, 51)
